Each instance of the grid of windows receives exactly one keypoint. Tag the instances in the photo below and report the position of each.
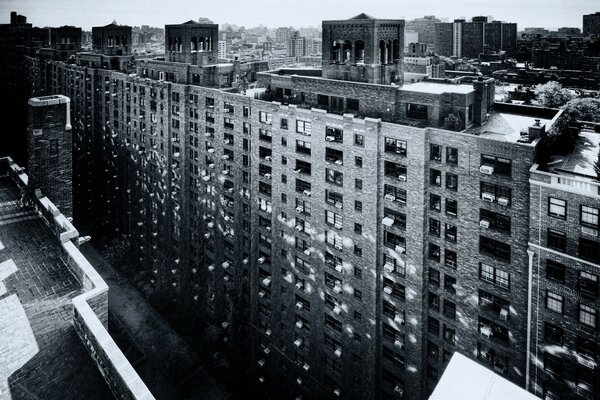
(554, 302)
(494, 275)
(589, 216)
(587, 315)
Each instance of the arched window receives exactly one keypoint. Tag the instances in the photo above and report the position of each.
(389, 52)
(382, 52)
(359, 51)
(347, 51)
(336, 51)
(396, 50)
(194, 44)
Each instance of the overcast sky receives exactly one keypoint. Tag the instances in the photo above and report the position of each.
(274, 13)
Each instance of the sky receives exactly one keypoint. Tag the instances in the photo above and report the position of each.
(297, 13)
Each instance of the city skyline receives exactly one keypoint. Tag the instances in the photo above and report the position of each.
(530, 13)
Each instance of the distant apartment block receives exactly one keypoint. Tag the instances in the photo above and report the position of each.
(591, 24)
(468, 39)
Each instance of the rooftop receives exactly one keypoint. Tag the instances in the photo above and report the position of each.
(580, 162)
(465, 379)
(41, 354)
(507, 121)
(437, 88)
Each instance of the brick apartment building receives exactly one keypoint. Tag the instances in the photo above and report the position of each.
(338, 240)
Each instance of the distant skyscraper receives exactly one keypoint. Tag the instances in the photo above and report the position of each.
(591, 24)
(468, 39)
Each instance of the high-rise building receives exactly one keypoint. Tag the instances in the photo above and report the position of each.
(297, 46)
(591, 24)
(337, 234)
(469, 39)
(564, 255)
(222, 49)
(425, 28)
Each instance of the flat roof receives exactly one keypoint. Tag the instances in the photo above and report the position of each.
(507, 126)
(465, 379)
(581, 160)
(437, 88)
(41, 355)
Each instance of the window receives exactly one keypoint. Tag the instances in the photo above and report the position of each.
(451, 207)
(433, 326)
(303, 147)
(554, 302)
(358, 162)
(435, 177)
(450, 258)
(449, 309)
(334, 219)
(359, 140)
(357, 228)
(265, 117)
(450, 284)
(416, 111)
(358, 184)
(495, 221)
(435, 202)
(494, 248)
(450, 233)
(246, 111)
(451, 181)
(395, 146)
(434, 277)
(451, 155)
(434, 227)
(588, 284)
(555, 271)
(358, 206)
(283, 124)
(434, 252)
(334, 177)
(449, 334)
(556, 240)
(557, 208)
(589, 216)
(435, 152)
(494, 275)
(552, 364)
(433, 301)
(303, 127)
(499, 166)
(589, 250)
(553, 334)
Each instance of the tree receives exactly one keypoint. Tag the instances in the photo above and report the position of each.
(585, 109)
(552, 95)
(453, 122)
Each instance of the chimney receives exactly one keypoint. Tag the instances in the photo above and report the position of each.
(537, 130)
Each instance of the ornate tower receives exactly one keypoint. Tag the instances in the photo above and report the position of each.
(363, 49)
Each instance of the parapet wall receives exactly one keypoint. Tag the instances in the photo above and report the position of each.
(90, 309)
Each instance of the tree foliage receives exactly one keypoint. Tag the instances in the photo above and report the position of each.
(584, 109)
(552, 95)
(453, 122)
